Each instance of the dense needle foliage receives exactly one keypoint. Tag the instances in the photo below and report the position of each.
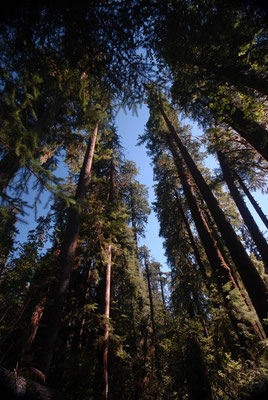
(86, 312)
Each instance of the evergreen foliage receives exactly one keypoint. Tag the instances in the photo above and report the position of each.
(86, 312)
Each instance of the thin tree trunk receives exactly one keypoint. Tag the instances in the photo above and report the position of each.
(106, 328)
(254, 231)
(253, 201)
(48, 330)
(254, 284)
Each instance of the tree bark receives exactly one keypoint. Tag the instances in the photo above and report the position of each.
(254, 284)
(254, 231)
(46, 336)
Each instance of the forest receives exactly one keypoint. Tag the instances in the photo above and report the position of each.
(86, 311)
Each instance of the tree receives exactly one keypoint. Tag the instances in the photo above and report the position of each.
(46, 336)
(216, 65)
(257, 236)
(248, 271)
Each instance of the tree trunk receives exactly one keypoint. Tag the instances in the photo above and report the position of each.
(256, 234)
(46, 336)
(252, 131)
(256, 325)
(221, 271)
(253, 201)
(106, 328)
(254, 284)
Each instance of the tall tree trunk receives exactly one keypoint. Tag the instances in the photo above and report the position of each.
(254, 231)
(252, 200)
(106, 328)
(254, 284)
(46, 336)
(256, 325)
(221, 271)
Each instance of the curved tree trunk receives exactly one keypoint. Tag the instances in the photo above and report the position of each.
(254, 231)
(46, 336)
(254, 284)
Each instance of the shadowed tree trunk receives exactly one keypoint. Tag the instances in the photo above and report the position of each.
(46, 336)
(256, 234)
(254, 284)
